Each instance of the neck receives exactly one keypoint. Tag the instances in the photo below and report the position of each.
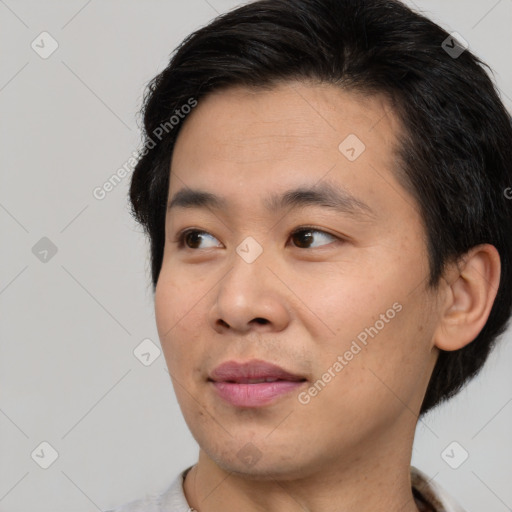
(368, 479)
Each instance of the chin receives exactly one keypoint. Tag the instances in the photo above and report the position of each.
(248, 460)
(261, 471)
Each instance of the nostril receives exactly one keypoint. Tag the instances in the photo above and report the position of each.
(261, 320)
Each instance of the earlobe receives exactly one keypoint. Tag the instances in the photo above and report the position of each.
(470, 292)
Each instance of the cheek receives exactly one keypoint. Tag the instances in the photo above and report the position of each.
(379, 329)
(177, 299)
(339, 300)
(396, 362)
(178, 320)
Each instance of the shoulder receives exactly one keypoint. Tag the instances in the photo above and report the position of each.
(171, 500)
(150, 503)
(429, 492)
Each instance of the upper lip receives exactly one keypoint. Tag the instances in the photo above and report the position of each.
(254, 369)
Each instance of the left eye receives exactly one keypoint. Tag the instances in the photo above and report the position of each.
(307, 236)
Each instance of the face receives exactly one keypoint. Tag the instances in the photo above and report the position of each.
(328, 283)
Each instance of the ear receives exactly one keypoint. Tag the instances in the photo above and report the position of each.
(470, 289)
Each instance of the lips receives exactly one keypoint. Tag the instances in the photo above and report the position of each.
(253, 384)
(252, 372)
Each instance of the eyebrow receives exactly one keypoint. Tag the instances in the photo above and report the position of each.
(325, 195)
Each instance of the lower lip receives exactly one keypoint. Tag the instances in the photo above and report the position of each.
(254, 395)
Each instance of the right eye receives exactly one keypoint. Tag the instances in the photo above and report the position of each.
(191, 238)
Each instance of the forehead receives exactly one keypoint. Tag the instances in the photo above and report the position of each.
(317, 113)
(248, 141)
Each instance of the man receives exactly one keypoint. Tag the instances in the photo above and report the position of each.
(323, 184)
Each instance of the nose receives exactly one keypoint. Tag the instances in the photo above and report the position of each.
(250, 297)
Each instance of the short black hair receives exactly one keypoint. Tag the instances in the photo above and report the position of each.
(455, 152)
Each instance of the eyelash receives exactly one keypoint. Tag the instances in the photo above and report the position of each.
(180, 237)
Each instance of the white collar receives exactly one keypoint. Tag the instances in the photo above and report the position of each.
(429, 495)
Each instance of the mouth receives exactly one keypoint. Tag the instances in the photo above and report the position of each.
(258, 381)
(254, 383)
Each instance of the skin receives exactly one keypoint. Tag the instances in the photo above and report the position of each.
(303, 301)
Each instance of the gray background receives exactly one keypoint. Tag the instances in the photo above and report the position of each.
(70, 323)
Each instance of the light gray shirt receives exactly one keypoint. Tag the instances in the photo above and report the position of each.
(429, 496)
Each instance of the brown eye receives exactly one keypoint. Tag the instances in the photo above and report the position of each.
(306, 236)
(192, 239)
